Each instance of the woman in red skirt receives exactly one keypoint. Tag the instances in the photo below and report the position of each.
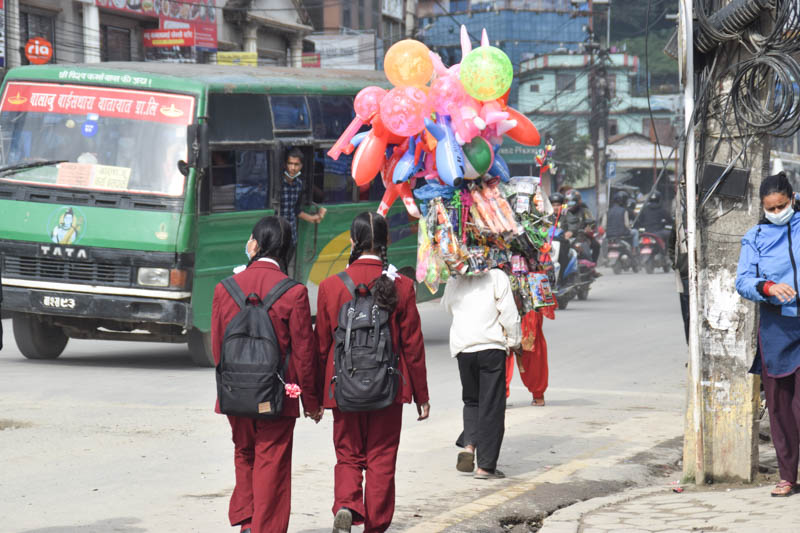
(368, 440)
(261, 500)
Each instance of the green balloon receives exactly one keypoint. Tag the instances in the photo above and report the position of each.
(486, 73)
(479, 158)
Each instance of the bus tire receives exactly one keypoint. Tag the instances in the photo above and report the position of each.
(200, 348)
(37, 340)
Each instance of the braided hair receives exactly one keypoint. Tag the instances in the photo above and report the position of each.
(273, 234)
(370, 233)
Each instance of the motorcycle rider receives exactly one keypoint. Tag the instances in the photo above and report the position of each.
(654, 218)
(557, 200)
(619, 224)
(578, 219)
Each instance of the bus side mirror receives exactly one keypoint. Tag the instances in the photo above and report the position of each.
(197, 152)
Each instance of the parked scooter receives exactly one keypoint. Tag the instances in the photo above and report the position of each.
(621, 256)
(653, 252)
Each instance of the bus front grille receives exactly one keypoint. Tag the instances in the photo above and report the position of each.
(44, 268)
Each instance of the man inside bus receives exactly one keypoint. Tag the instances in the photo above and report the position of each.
(293, 199)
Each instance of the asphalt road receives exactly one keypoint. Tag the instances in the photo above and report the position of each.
(118, 436)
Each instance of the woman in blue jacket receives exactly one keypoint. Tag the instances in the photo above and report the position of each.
(768, 274)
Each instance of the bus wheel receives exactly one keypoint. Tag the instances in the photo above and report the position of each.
(200, 348)
(37, 340)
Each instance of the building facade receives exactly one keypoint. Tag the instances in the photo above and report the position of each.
(78, 31)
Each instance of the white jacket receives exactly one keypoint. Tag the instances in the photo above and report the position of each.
(484, 314)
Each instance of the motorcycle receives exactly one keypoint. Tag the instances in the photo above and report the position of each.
(621, 256)
(587, 272)
(577, 278)
(653, 252)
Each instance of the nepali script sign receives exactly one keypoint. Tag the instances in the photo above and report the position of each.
(106, 102)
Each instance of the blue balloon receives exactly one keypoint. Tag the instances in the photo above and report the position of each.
(405, 167)
(499, 168)
(358, 137)
(449, 155)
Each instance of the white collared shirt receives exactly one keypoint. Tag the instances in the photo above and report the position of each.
(268, 260)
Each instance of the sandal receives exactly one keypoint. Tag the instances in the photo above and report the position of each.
(538, 402)
(494, 474)
(783, 489)
(466, 462)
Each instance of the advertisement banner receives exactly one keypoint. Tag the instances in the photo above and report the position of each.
(199, 15)
(245, 59)
(105, 102)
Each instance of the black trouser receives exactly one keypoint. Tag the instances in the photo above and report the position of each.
(563, 257)
(483, 390)
(595, 249)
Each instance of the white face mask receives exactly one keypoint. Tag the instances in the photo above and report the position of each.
(291, 177)
(246, 249)
(782, 217)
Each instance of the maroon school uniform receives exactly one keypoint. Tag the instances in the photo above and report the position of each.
(369, 440)
(263, 448)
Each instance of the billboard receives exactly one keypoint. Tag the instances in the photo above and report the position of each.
(344, 51)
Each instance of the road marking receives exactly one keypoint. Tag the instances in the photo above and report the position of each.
(626, 432)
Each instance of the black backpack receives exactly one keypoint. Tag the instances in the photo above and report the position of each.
(364, 362)
(251, 366)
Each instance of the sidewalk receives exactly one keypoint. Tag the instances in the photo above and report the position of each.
(738, 510)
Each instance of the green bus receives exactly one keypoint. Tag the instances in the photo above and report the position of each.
(128, 190)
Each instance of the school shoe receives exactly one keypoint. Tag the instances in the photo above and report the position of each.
(343, 521)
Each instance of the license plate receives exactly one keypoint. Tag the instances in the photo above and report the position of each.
(613, 255)
(646, 251)
(64, 303)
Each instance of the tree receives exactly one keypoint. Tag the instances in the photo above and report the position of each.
(570, 158)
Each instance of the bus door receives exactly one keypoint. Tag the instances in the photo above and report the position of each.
(234, 192)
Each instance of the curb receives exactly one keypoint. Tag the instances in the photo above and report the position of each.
(568, 519)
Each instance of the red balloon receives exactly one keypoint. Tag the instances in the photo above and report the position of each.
(370, 155)
(395, 190)
(524, 132)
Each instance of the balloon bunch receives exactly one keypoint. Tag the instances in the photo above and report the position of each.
(442, 124)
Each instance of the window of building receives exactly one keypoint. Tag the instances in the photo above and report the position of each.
(664, 133)
(565, 82)
(361, 10)
(534, 87)
(457, 6)
(239, 118)
(239, 180)
(376, 14)
(36, 23)
(115, 43)
(347, 17)
(613, 128)
(611, 81)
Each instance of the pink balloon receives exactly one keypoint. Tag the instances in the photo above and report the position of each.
(447, 93)
(403, 110)
(368, 101)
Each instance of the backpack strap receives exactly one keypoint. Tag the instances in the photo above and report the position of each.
(235, 291)
(348, 282)
(277, 291)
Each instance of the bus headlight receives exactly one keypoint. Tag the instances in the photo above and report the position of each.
(153, 277)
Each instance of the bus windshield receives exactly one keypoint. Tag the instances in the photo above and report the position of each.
(113, 140)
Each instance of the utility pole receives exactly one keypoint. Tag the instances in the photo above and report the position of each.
(598, 112)
(721, 438)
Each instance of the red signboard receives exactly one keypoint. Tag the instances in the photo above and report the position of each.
(38, 50)
(198, 15)
(106, 102)
(176, 37)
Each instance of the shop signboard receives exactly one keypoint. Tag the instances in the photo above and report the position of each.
(38, 50)
(245, 59)
(174, 37)
(199, 15)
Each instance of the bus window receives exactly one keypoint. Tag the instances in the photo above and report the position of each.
(239, 180)
(330, 115)
(374, 192)
(238, 118)
(290, 113)
(333, 177)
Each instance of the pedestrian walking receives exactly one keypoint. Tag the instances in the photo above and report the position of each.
(767, 274)
(261, 499)
(367, 441)
(486, 325)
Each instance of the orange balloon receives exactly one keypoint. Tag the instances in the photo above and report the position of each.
(524, 132)
(408, 62)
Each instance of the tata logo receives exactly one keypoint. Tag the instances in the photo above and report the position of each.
(63, 252)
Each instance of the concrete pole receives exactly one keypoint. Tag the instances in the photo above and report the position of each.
(91, 33)
(13, 55)
(250, 37)
(297, 51)
(693, 465)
